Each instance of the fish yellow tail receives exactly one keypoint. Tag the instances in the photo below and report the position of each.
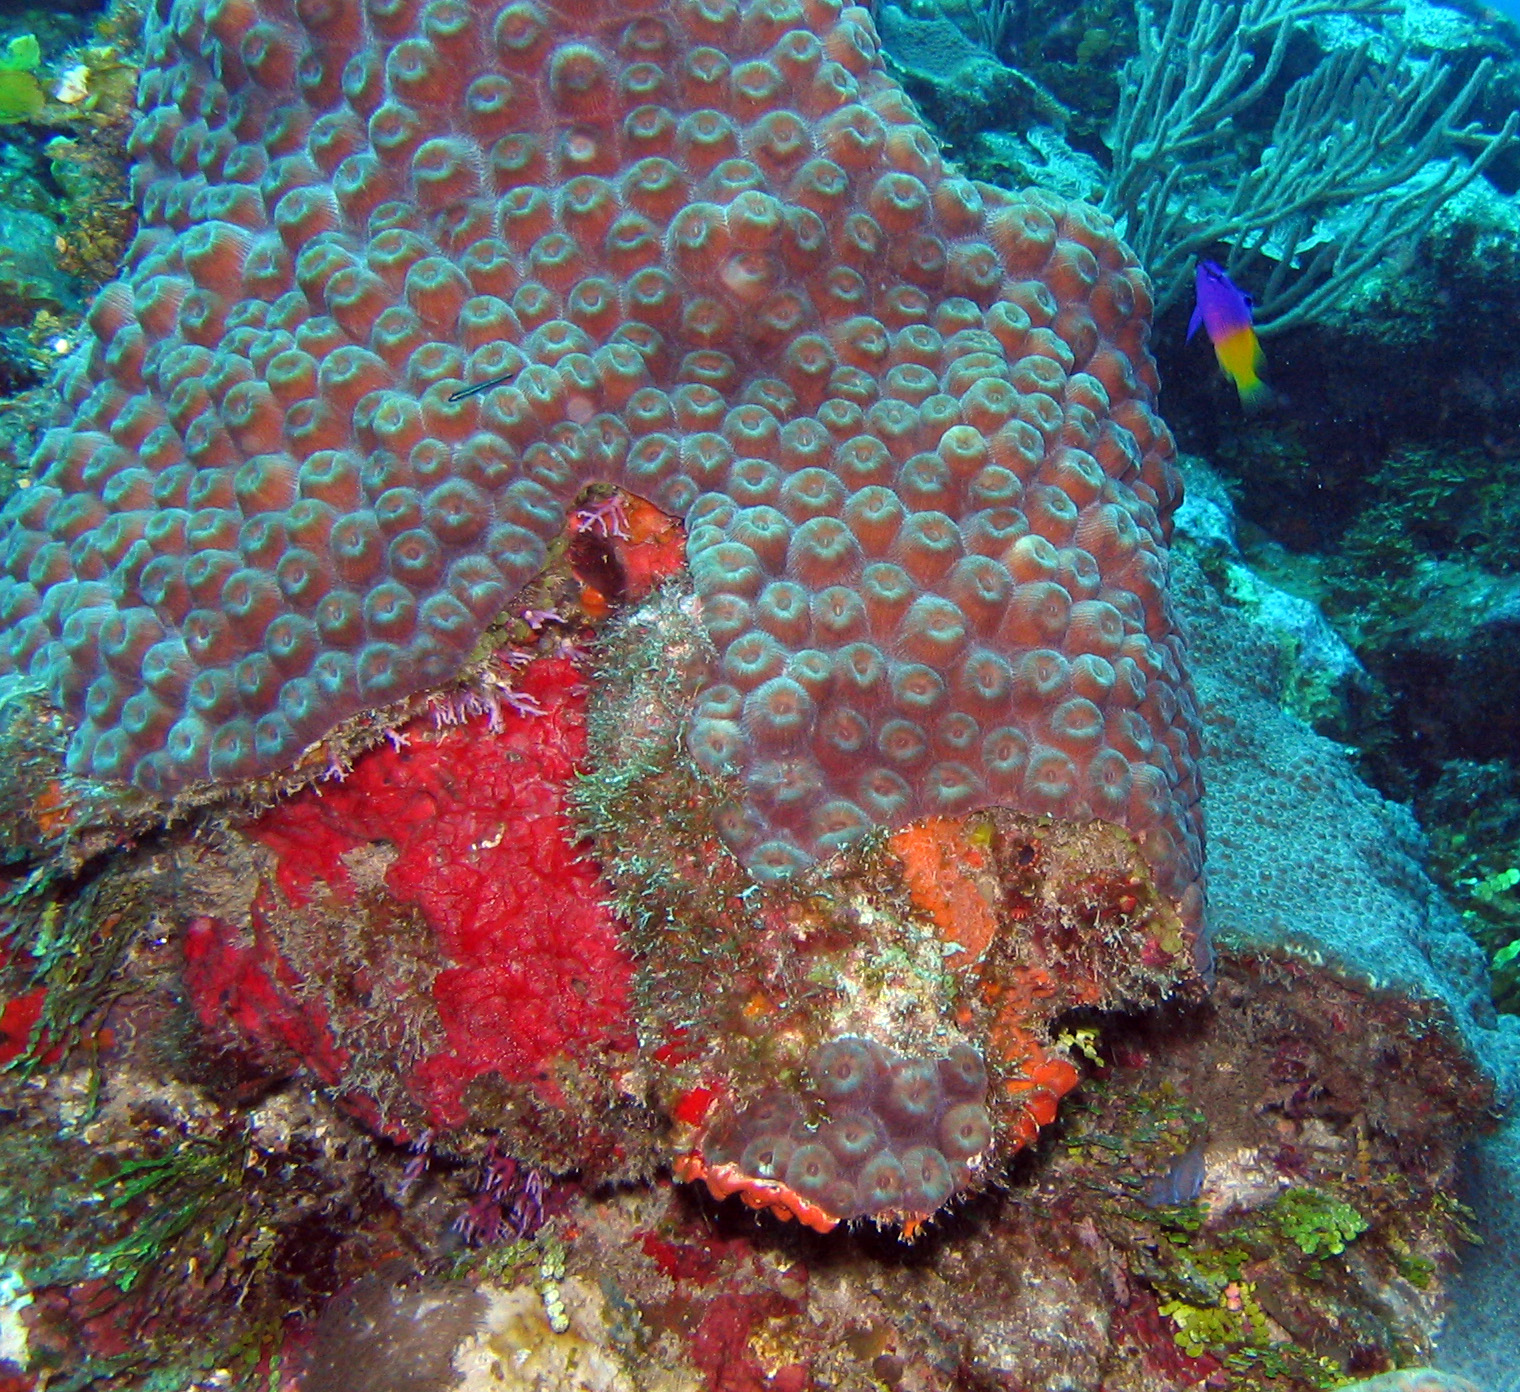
(1254, 393)
(1241, 357)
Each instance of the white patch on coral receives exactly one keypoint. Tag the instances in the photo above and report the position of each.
(1205, 520)
(14, 1298)
(516, 1350)
(74, 85)
(1206, 525)
(1319, 648)
(1239, 1179)
(1443, 28)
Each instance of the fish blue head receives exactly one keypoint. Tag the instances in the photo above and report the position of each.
(1221, 306)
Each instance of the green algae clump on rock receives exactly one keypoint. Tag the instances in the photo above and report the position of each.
(21, 95)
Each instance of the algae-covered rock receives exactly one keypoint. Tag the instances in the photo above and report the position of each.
(21, 95)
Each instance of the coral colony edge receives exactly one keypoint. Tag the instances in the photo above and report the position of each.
(905, 422)
(591, 610)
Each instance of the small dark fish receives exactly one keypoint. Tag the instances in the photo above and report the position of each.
(1180, 1183)
(483, 386)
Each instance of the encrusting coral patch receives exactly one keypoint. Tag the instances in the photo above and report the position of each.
(705, 251)
(423, 926)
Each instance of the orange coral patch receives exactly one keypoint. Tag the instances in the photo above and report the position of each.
(1041, 1108)
(655, 548)
(1040, 1084)
(943, 864)
(1055, 1075)
(765, 1195)
(54, 810)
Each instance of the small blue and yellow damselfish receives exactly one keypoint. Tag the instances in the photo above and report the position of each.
(1224, 310)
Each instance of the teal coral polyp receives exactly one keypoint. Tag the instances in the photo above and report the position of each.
(907, 418)
(886, 1135)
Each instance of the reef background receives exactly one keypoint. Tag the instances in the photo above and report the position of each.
(1344, 572)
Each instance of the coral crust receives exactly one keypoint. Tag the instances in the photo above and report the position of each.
(19, 1021)
(246, 989)
(772, 1196)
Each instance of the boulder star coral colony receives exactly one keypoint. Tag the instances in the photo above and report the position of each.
(710, 255)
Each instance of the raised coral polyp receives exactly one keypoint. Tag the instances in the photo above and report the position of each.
(872, 1134)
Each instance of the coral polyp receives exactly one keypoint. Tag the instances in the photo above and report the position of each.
(897, 1139)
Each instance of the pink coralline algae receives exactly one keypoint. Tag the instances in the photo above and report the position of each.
(906, 419)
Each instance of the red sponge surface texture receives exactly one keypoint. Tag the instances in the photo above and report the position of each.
(427, 922)
(907, 419)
